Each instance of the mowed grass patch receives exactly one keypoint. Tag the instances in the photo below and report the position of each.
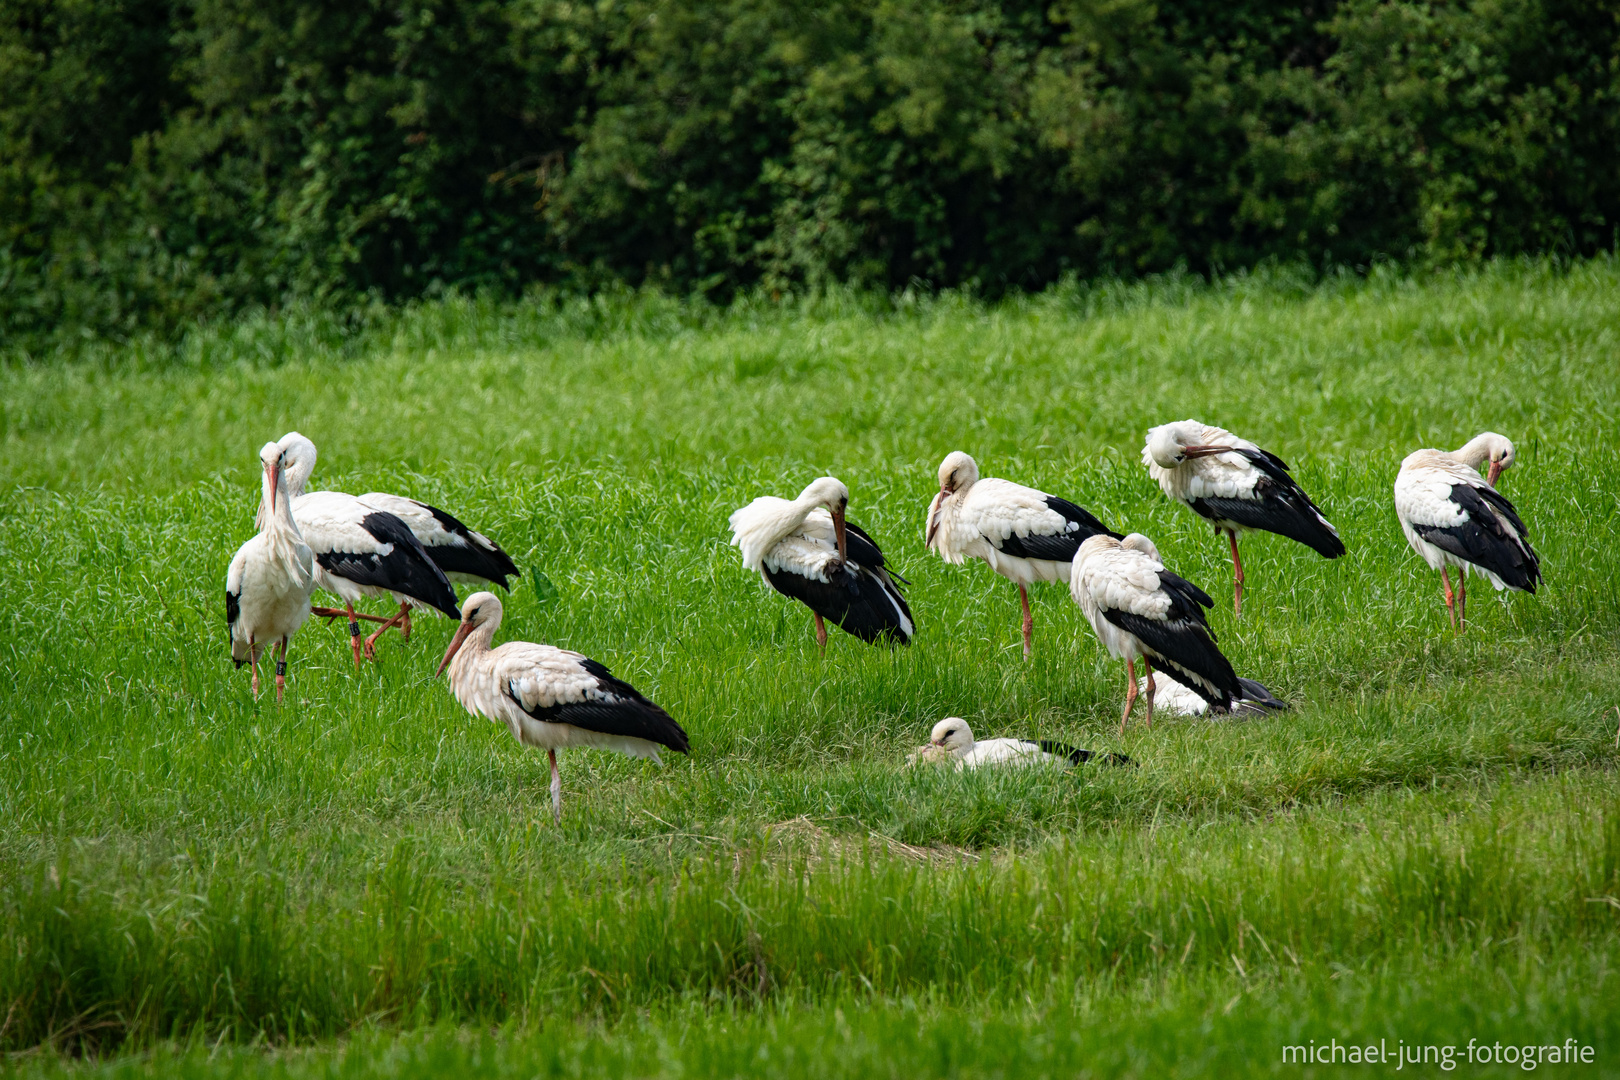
(179, 861)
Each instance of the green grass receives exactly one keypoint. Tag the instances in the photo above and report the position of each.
(366, 881)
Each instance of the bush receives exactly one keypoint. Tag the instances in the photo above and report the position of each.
(168, 160)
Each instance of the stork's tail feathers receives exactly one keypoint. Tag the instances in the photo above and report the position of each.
(1256, 698)
(1076, 756)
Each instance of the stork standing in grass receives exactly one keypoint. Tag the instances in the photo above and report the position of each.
(269, 581)
(1024, 534)
(1453, 517)
(1236, 486)
(549, 697)
(361, 551)
(805, 549)
(1141, 611)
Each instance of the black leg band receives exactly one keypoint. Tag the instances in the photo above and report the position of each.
(281, 669)
(354, 628)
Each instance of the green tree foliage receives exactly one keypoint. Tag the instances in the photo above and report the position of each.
(162, 160)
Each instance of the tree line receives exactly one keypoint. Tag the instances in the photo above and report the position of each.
(168, 160)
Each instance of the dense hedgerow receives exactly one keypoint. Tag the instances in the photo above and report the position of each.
(162, 160)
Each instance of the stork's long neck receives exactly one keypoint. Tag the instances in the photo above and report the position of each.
(281, 531)
(298, 476)
(475, 648)
(1475, 450)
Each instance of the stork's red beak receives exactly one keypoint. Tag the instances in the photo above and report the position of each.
(455, 643)
(1495, 471)
(273, 474)
(838, 532)
(1191, 452)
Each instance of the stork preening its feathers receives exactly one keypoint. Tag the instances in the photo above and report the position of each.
(1024, 535)
(1454, 517)
(549, 697)
(361, 551)
(1141, 611)
(952, 742)
(805, 549)
(1236, 486)
(270, 578)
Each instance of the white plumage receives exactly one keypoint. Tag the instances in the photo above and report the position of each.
(268, 583)
(548, 697)
(1141, 611)
(1025, 535)
(1237, 487)
(361, 551)
(1175, 699)
(952, 742)
(805, 549)
(1453, 517)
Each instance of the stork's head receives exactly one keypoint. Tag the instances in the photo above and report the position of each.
(300, 459)
(1138, 542)
(952, 734)
(956, 472)
(1492, 450)
(479, 611)
(273, 459)
(830, 492)
(1168, 445)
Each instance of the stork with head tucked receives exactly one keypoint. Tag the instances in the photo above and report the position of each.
(1454, 517)
(549, 697)
(806, 550)
(1024, 535)
(1141, 611)
(952, 742)
(1236, 486)
(269, 581)
(361, 551)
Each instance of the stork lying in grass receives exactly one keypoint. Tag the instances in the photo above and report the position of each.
(952, 743)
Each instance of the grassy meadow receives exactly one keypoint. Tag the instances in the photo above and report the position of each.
(366, 881)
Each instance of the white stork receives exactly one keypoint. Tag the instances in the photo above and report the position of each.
(1142, 611)
(1024, 534)
(952, 741)
(360, 551)
(1175, 699)
(806, 550)
(549, 697)
(1236, 486)
(467, 557)
(1453, 517)
(270, 578)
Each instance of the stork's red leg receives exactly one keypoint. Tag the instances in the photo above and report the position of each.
(1462, 601)
(1130, 693)
(338, 613)
(405, 624)
(1237, 572)
(354, 633)
(1029, 620)
(1451, 600)
(821, 632)
(253, 666)
(371, 642)
(1151, 688)
(556, 789)
(281, 670)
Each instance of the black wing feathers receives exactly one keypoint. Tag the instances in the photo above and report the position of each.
(1259, 698)
(857, 600)
(1184, 647)
(233, 607)
(1279, 506)
(1484, 541)
(619, 709)
(1080, 526)
(469, 557)
(1079, 757)
(406, 569)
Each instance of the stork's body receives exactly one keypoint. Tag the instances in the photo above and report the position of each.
(804, 549)
(550, 698)
(361, 551)
(952, 742)
(1025, 535)
(1141, 611)
(1178, 699)
(269, 581)
(1236, 487)
(1453, 517)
